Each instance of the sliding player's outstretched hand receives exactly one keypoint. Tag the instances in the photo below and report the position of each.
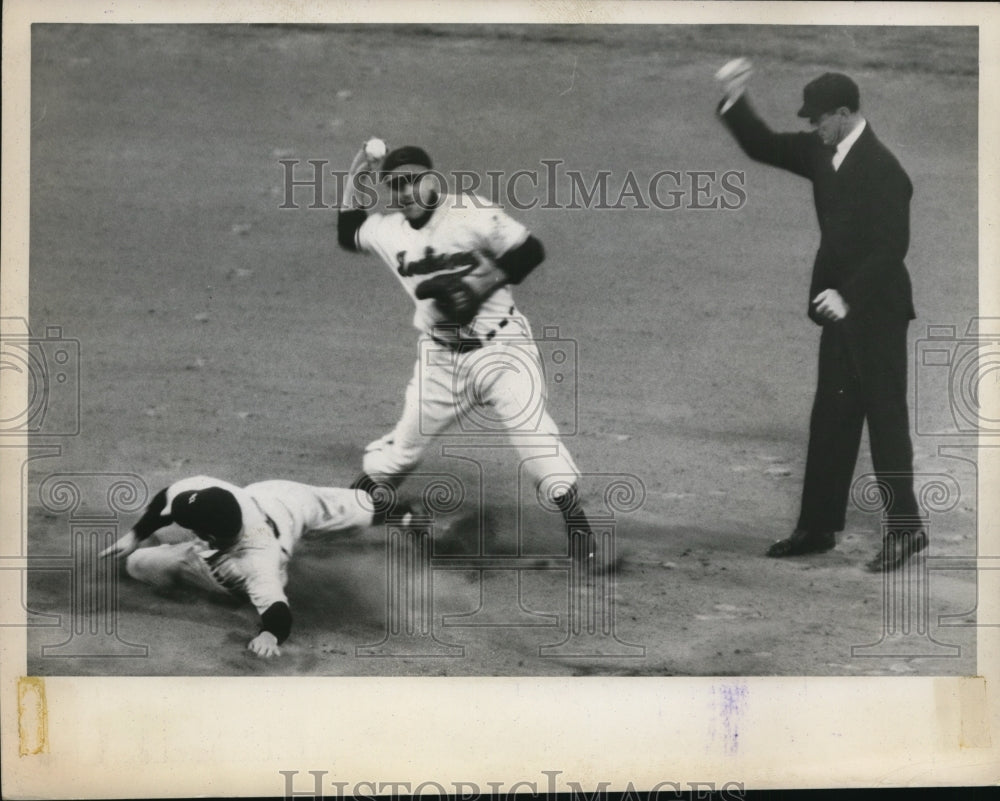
(265, 644)
(122, 548)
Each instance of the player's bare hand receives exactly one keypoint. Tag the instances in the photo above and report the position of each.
(369, 157)
(265, 644)
(733, 77)
(831, 305)
(122, 548)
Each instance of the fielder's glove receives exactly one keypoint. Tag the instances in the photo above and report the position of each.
(455, 299)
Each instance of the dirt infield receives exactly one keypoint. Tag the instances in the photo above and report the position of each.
(220, 333)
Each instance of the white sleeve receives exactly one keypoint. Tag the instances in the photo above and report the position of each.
(499, 231)
(263, 582)
(367, 235)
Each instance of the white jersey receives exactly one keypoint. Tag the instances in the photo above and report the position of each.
(463, 231)
(275, 516)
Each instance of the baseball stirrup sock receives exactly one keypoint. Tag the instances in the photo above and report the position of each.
(583, 543)
(572, 511)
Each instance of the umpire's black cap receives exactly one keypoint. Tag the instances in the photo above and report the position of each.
(210, 512)
(828, 92)
(403, 156)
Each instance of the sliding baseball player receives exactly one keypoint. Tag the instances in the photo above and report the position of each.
(242, 541)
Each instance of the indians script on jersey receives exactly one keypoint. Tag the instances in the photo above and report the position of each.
(463, 231)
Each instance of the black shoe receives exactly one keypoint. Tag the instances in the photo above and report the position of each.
(803, 542)
(896, 549)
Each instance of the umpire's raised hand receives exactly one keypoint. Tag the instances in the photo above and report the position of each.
(733, 77)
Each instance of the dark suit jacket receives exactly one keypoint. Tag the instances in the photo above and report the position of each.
(863, 210)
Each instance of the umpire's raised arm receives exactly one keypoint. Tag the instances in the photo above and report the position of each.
(795, 152)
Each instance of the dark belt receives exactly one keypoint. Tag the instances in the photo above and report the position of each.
(460, 345)
(464, 344)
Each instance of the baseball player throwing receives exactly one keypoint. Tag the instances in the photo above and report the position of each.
(243, 541)
(457, 257)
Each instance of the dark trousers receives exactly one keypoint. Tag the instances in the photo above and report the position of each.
(862, 376)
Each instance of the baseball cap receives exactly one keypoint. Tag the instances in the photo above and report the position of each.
(405, 156)
(212, 511)
(828, 92)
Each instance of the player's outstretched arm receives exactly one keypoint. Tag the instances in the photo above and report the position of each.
(276, 625)
(124, 545)
(152, 520)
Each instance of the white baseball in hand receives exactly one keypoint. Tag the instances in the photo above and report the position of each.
(375, 149)
(731, 71)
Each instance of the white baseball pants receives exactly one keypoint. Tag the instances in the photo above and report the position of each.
(497, 389)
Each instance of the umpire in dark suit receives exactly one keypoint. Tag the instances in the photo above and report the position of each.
(861, 296)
